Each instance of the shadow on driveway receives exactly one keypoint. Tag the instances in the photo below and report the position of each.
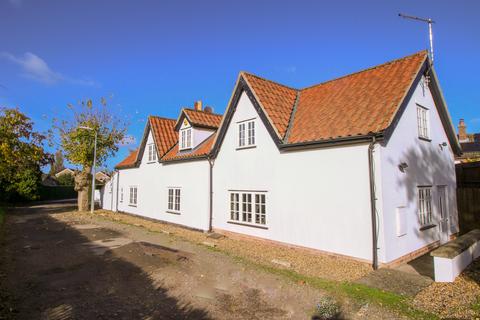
(49, 274)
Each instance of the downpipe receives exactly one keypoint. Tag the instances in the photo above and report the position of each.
(210, 209)
(373, 201)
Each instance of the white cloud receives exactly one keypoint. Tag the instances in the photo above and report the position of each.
(291, 69)
(128, 140)
(35, 68)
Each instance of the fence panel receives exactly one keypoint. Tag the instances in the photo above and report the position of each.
(468, 201)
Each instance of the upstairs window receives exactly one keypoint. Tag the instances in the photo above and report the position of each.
(186, 138)
(133, 196)
(423, 122)
(152, 153)
(425, 206)
(246, 134)
(174, 200)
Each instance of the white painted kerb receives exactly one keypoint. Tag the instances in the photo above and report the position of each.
(446, 269)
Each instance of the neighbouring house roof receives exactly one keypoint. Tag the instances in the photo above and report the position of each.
(471, 150)
(200, 119)
(357, 104)
(64, 171)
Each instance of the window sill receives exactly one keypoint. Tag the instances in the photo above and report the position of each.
(132, 205)
(430, 226)
(425, 139)
(150, 162)
(248, 225)
(173, 212)
(246, 147)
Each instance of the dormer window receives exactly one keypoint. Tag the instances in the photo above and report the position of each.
(152, 153)
(246, 134)
(186, 138)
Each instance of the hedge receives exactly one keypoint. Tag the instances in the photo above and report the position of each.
(57, 192)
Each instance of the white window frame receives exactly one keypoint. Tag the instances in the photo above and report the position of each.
(152, 152)
(133, 196)
(186, 138)
(425, 206)
(248, 208)
(246, 134)
(423, 122)
(174, 198)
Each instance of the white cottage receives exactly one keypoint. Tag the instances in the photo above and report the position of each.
(361, 166)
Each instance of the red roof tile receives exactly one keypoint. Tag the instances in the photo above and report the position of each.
(164, 133)
(129, 161)
(276, 99)
(203, 119)
(201, 150)
(356, 104)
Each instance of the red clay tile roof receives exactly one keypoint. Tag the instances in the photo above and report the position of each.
(164, 133)
(203, 119)
(277, 100)
(129, 161)
(356, 104)
(201, 150)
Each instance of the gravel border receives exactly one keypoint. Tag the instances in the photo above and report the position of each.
(453, 300)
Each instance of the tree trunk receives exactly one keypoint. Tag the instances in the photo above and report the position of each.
(82, 184)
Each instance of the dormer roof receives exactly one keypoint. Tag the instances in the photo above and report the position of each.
(199, 119)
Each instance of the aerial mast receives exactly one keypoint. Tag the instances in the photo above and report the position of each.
(430, 33)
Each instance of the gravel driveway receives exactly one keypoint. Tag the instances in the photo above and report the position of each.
(56, 265)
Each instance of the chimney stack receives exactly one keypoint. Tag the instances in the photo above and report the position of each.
(462, 131)
(198, 105)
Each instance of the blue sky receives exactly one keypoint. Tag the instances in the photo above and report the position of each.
(154, 57)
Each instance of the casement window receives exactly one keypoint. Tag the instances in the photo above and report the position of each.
(234, 206)
(260, 208)
(423, 122)
(425, 206)
(248, 207)
(133, 196)
(246, 134)
(152, 153)
(174, 200)
(121, 194)
(186, 138)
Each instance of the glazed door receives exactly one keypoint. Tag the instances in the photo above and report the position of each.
(444, 215)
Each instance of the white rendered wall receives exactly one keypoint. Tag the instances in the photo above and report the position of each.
(108, 193)
(153, 180)
(428, 164)
(317, 198)
(200, 135)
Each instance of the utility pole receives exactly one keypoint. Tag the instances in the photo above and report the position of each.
(430, 33)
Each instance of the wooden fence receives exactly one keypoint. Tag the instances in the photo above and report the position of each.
(468, 201)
